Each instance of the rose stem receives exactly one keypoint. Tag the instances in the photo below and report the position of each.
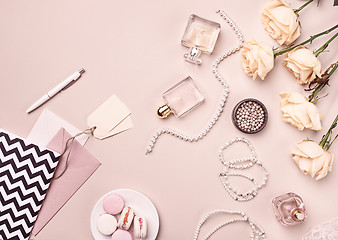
(325, 142)
(305, 42)
(322, 85)
(296, 11)
(325, 45)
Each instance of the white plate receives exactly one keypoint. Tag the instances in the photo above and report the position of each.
(142, 206)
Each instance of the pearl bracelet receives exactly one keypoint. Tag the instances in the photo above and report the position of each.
(240, 164)
(256, 234)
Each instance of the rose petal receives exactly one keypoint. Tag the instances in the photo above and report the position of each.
(310, 148)
(304, 165)
(298, 153)
(314, 116)
(325, 167)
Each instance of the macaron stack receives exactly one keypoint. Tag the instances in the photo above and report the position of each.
(108, 225)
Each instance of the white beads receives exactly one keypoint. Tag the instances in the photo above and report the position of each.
(223, 100)
(257, 231)
(240, 164)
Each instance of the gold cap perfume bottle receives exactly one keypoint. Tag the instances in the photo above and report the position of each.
(180, 99)
(200, 36)
(289, 209)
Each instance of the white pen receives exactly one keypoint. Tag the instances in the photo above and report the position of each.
(62, 86)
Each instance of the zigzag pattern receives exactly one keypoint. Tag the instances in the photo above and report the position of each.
(25, 175)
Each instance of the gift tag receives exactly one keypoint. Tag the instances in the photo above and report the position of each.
(123, 126)
(108, 116)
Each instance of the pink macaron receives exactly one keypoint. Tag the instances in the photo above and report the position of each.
(121, 235)
(113, 203)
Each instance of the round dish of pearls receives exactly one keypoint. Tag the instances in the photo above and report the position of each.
(219, 111)
(250, 116)
(241, 164)
(256, 234)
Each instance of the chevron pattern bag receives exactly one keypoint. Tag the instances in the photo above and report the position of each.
(25, 174)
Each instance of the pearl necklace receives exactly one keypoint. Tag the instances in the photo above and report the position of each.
(223, 100)
(240, 164)
(256, 234)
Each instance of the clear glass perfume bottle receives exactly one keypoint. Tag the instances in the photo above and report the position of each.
(289, 209)
(180, 99)
(199, 36)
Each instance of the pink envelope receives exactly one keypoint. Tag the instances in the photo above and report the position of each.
(81, 166)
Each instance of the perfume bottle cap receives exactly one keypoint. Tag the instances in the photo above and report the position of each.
(163, 111)
(298, 215)
(193, 55)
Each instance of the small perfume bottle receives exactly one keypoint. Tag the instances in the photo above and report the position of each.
(289, 209)
(180, 99)
(199, 36)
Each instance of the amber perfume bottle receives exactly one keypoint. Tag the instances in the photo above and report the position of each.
(180, 99)
(289, 209)
(200, 36)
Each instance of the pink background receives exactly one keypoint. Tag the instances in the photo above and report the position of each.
(132, 49)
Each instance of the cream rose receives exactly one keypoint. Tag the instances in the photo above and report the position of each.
(280, 22)
(299, 112)
(257, 58)
(304, 65)
(312, 159)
